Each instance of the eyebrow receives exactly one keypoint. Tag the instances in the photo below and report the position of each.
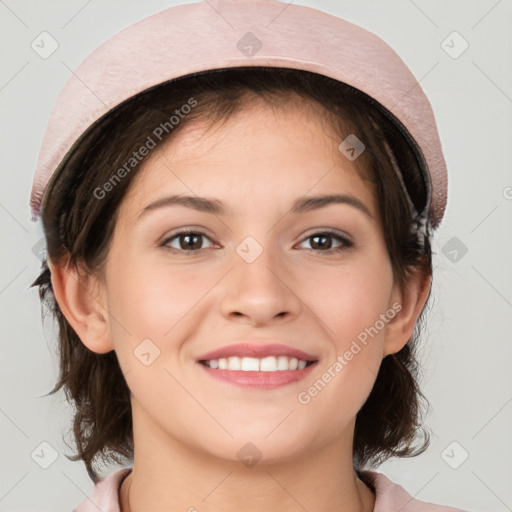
(216, 207)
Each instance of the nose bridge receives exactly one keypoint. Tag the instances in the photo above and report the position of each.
(257, 262)
(257, 287)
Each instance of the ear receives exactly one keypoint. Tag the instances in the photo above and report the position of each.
(411, 300)
(80, 296)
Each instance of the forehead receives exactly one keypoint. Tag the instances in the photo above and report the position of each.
(261, 153)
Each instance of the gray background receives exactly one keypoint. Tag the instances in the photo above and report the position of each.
(466, 354)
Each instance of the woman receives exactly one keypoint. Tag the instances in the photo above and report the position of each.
(238, 234)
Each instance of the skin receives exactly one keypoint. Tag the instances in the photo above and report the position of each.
(188, 426)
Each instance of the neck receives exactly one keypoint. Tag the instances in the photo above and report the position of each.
(169, 476)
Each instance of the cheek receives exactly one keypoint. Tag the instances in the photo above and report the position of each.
(151, 313)
(348, 299)
(152, 298)
(158, 303)
(350, 303)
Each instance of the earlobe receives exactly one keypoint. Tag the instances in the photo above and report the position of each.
(412, 300)
(80, 298)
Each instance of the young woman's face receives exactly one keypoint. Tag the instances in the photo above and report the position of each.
(260, 271)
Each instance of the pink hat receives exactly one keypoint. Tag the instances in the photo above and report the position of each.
(217, 34)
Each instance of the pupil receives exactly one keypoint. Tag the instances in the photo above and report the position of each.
(191, 245)
(322, 244)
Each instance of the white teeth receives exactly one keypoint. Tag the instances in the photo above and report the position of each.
(249, 364)
(282, 363)
(268, 364)
(253, 364)
(234, 363)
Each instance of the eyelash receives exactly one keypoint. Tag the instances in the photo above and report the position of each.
(346, 243)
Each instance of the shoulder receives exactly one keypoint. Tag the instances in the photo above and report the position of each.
(105, 494)
(390, 497)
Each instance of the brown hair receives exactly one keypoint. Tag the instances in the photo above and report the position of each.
(80, 228)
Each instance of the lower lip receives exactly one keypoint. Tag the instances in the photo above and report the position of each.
(259, 379)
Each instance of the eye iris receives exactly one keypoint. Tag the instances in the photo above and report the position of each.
(322, 245)
(188, 237)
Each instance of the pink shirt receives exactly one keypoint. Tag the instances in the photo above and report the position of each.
(390, 497)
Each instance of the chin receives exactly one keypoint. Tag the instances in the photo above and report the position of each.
(260, 447)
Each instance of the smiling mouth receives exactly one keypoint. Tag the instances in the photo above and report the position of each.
(253, 364)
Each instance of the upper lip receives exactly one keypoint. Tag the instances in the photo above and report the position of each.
(258, 350)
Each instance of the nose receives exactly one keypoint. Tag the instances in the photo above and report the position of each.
(261, 292)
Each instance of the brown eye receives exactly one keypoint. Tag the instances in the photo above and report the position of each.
(187, 241)
(323, 242)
